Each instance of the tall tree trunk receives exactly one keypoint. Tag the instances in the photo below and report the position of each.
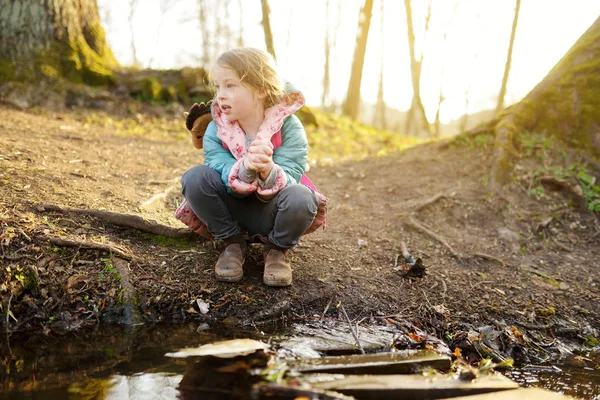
(513, 32)
(352, 102)
(380, 106)
(132, 6)
(565, 103)
(266, 23)
(240, 41)
(205, 30)
(54, 38)
(326, 82)
(441, 98)
(417, 110)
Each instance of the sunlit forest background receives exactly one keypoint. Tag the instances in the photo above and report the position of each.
(461, 45)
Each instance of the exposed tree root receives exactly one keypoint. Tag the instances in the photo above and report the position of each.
(574, 190)
(413, 223)
(429, 201)
(89, 245)
(131, 315)
(126, 220)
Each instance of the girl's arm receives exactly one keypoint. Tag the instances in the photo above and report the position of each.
(221, 160)
(289, 159)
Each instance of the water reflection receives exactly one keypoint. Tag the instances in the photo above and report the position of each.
(140, 386)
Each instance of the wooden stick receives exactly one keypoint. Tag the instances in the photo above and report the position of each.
(352, 330)
(412, 222)
(126, 220)
(88, 245)
(491, 258)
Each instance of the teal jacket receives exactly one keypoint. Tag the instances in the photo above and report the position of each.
(291, 155)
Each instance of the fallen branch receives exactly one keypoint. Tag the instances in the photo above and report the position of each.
(126, 220)
(88, 245)
(490, 258)
(413, 223)
(574, 190)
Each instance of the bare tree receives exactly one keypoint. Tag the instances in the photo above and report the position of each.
(513, 32)
(437, 124)
(165, 6)
(417, 110)
(240, 41)
(266, 23)
(205, 29)
(352, 102)
(380, 106)
(326, 82)
(132, 6)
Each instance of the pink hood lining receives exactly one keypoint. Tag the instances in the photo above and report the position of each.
(234, 137)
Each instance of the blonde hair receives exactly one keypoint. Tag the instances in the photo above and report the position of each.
(256, 69)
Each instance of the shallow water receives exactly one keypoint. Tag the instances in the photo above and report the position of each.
(119, 363)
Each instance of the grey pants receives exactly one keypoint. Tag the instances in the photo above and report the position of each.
(282, 220)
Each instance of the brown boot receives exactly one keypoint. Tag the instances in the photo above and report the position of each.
(278, 270)
(229, 265)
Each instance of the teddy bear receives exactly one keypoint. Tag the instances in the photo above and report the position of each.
(197, 120)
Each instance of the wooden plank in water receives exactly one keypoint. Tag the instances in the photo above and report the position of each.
(518, 394)
(379, 363)
(383, 387)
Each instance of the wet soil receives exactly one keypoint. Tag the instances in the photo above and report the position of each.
(507, 264)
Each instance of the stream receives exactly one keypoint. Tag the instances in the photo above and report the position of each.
(130, 363)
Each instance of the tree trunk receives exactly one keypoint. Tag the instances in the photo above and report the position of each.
(54, 39)
(565, 103)
(379, 120)
(266, 23)
(416, 108)
(205, 30)
(326, 82)
(352, 102)
(513, 32)
(132, 6)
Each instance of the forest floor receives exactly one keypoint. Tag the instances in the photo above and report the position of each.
(523, 260)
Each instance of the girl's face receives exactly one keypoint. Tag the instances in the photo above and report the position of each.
(236, 100)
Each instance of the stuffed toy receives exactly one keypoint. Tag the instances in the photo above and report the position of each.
(197, 120)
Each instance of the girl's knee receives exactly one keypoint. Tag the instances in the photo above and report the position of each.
(200, 174)
(200, 178)
(299, 199)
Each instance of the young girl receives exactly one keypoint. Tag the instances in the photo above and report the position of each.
(252, 179)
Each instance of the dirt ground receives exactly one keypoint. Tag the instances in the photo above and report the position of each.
(518, 261)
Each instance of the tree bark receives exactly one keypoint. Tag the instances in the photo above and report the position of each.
(513, 32)
(565, 103)
(54, 39)
(352, 102)
(326, 82)
(379, 120)
(266, 23)
(416, 108)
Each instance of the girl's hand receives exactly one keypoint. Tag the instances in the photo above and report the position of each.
(261, 146)
(262, 164)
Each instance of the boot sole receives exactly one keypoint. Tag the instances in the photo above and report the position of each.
(230, 278)
(277, 283)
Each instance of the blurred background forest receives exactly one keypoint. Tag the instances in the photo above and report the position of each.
(460, 48)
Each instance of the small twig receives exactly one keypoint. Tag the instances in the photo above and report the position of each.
(88, 245)
(412, 222)
(326, 308)
(490, 258)
(536, 327)
(352, 330)
(158, 196)
(8, 312)
(126, 220)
